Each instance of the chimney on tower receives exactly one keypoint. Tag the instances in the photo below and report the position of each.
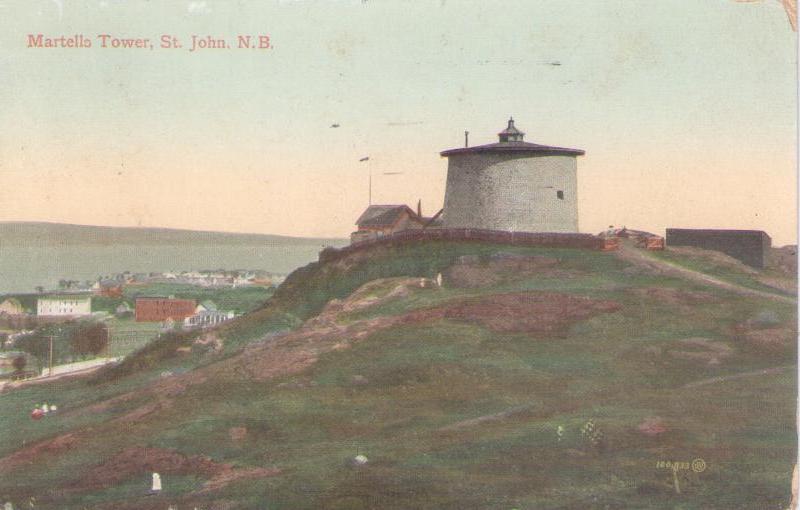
(419, 208)
(466, 138)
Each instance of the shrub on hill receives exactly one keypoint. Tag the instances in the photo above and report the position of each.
(89, 338)
(19, 363)
(163, 347)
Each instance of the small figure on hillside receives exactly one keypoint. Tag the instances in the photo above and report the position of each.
(156, 487)
(439, 280)
(560, 433)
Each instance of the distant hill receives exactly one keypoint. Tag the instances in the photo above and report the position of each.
(35, 233)
(41, 254)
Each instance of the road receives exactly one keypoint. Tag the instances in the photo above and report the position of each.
(642, 258)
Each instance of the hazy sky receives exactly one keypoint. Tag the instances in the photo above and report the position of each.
(686, 109)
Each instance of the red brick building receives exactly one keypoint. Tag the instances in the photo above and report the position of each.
(157, 309)
(108, 288)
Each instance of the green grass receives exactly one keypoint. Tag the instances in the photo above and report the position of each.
(723, 272)
(396, 395)
(173, 486)
(128, 336)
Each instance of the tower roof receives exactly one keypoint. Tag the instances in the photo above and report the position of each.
(511, 141)
(511, 133)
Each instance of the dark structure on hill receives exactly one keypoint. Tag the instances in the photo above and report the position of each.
(749, 246)
(383, 220)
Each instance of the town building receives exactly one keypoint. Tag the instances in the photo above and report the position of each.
(158, 309)
(207, 315)
(512, 185)
(749, 246)
(66, 305)
(108, 288)
(123, 309)
(12, 306)
(383, 220)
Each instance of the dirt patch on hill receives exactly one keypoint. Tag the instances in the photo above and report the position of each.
(138, 413)
(104, 405)
(156, 396)
(701, 350)
(229, 475)
(675, 296)
(541, 313)
(472, 271)
(144, 461)
(786, 284)
(766, 331)
(36, 452)
(546, 313)
(776, 339)
(376, 293)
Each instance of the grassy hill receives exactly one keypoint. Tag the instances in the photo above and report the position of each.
(534, 378)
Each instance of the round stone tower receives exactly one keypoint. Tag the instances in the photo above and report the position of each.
(512, 185)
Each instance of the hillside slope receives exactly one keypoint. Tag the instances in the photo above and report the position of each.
(533, 378)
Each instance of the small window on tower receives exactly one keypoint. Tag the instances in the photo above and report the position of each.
(560, 195)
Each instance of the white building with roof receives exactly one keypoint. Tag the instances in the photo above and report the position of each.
(67, 305)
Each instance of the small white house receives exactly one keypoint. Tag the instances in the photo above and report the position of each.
(206, 314)
(11, 306)
(68, 305)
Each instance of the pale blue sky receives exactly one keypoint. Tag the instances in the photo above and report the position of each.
(686, 109)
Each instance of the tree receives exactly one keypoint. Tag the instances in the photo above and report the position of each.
(36, 344)
(19, 363)
(89, 338)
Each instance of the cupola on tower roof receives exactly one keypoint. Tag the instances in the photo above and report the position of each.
(511, 133)
(511, 140)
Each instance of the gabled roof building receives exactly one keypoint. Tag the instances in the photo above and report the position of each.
(12, 306)
(65, 305)
(382, 220)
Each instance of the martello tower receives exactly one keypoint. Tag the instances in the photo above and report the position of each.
(512, 185)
